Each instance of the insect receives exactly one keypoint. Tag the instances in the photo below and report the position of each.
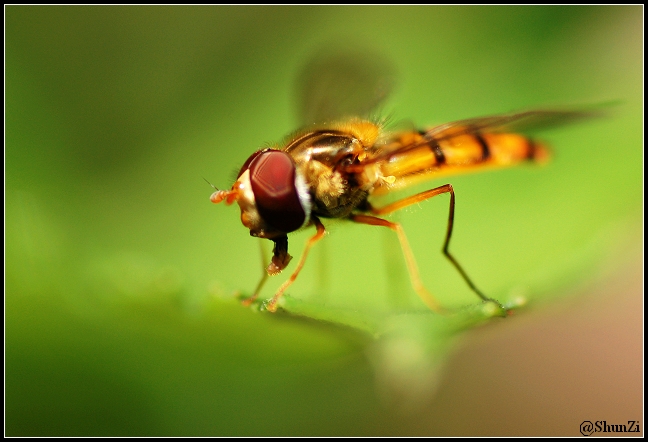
(336, 168)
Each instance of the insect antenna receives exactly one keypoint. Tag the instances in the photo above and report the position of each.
(215, 188)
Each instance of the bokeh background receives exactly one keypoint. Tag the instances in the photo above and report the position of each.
(119, 316)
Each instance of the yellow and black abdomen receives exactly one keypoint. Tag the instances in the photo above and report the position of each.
(424, 157)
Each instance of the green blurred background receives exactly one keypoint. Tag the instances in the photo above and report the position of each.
(119, 271)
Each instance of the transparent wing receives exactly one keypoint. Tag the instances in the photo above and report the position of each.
(334, 85)
(523, 122)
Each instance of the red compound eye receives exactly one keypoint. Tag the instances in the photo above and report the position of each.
(246, 165)
(272, 176)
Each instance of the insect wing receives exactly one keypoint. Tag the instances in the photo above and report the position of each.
(523, 122)
(337, 85)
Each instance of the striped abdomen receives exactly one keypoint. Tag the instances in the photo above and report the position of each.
(456, 154)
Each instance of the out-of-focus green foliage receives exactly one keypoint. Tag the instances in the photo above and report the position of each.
(120, 274)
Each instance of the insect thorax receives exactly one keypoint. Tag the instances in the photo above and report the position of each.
(323, 159)
(334, 195)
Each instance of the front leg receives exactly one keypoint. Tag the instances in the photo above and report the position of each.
(319, 234)
(280, 259)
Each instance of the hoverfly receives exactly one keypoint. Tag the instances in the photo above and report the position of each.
(334, 169)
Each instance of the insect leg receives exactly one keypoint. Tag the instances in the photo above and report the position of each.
(248, 301)
(319, 234)
(447, 188)
(425, 296)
